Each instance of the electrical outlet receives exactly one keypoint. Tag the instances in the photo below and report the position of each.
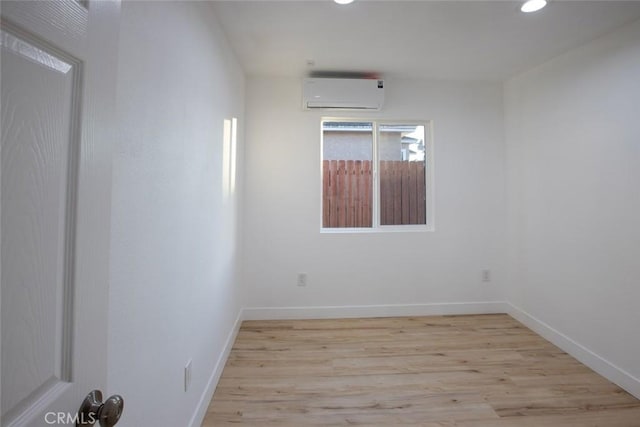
(486, 276)
(302, 279)
(187, 375)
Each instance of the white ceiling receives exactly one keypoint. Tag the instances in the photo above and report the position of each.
(469, 40)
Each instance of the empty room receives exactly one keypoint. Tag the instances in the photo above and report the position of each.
(319, 212)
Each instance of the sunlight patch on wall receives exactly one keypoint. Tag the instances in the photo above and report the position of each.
(229, 155)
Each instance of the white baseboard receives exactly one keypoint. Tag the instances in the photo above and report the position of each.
(592, 360)
(205, 399)
(391, 310)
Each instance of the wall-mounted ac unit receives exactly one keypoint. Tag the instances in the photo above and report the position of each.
(342, 94)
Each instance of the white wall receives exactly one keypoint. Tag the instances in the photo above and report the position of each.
(174, 278)
(573, 204)
(573, 138)
(282, 199)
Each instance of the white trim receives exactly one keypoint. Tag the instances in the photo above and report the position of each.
(375, 175)
(207, 394)
(599, 364)
(411, 228)
(389, 310)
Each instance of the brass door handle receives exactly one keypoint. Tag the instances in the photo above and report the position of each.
(94, 410)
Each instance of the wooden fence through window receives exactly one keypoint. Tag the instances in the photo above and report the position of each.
(347, 193)
(348, 189)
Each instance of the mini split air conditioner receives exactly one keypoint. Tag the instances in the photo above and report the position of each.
(342, 94)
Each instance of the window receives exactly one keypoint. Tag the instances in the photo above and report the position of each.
(376, 175)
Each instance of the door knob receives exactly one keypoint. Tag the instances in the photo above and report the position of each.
(94, 410)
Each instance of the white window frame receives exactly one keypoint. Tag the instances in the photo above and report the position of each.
(376, 227)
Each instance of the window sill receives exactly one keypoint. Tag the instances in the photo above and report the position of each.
(381, 229)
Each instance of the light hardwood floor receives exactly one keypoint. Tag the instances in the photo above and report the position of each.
(460, 371)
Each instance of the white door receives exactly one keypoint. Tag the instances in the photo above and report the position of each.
(58, 88)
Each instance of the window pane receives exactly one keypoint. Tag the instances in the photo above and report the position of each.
(402, 155)
(347, 186)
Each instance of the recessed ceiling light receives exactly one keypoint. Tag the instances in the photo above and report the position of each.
(343, 1)
(533, 5)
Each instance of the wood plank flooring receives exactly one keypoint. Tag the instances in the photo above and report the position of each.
(454, 371)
